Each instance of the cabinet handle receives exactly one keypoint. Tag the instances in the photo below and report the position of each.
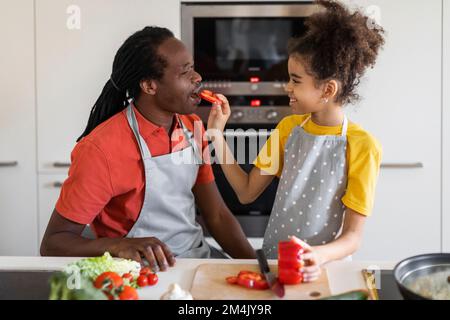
(61, 164)
(57, 184)
(9, 164)
(402, 165)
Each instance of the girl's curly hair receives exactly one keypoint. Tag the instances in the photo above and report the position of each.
(339, 45)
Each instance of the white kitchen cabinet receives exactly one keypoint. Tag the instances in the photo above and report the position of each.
(76, 41)
(49, 189)
(446, 132)
(18, 219)
(401, 106)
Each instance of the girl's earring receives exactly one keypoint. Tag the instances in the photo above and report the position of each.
(325, 100)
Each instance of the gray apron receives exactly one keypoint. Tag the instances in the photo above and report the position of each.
(168, 211)
(308, 201)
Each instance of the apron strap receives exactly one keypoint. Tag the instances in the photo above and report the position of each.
(306, 120)
(135, 128)
(190, 138)
(131, 116)
(344, 125)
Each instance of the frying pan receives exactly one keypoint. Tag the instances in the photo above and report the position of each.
(411, 269)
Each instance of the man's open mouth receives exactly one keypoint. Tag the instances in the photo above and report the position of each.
(195, 95)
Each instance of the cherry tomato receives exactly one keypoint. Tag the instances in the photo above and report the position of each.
(110, 280)
(128, 293)
(128, 276)
(152, 279)
(145, 271)
(142, 281)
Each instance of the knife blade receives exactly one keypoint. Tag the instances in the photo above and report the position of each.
(272, 280)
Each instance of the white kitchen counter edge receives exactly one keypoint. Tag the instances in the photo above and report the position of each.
(343, 275)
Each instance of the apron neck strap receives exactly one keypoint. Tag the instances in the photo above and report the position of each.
(131, 116)
(344, 124)
(190, 138)
(306, 120)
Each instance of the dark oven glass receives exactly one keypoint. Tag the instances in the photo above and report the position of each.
(235, 49)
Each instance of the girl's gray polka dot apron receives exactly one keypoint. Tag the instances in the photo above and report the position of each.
(314, 179)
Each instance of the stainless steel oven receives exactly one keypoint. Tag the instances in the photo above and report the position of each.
(240, 49)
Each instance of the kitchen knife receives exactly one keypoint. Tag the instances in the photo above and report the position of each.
(272, 280)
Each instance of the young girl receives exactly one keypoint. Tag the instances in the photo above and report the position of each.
(327, 166)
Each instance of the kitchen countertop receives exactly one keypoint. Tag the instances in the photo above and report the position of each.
(343, 275)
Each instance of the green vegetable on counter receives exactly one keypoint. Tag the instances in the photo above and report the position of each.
(75, 282)
(351, 295)
(60, 289)
(93, 267)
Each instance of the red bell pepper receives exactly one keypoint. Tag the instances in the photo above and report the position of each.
(209, 96)
(250, 280)
(290, 261)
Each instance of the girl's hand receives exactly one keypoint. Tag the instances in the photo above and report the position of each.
(219, 114)
(313, 262)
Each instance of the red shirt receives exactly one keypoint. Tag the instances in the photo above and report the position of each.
(106, 182)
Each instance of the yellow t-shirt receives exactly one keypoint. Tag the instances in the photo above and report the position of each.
(363, 158)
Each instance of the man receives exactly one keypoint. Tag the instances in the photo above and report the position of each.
(125, 180)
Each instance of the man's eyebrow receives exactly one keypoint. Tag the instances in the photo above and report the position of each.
(295, 75)
(187, 64)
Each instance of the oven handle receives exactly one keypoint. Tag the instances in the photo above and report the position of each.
(239, 134)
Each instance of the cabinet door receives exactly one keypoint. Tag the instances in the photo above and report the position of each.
(446, 132)
(18, 205)
(49, 189)
(76, 44)
(401, 106)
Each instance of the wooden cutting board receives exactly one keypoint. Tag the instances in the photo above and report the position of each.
(209, 284)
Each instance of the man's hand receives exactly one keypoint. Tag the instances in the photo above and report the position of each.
(157, 253)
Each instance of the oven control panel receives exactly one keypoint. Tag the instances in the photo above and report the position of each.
(251, 87)
(250, 115)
